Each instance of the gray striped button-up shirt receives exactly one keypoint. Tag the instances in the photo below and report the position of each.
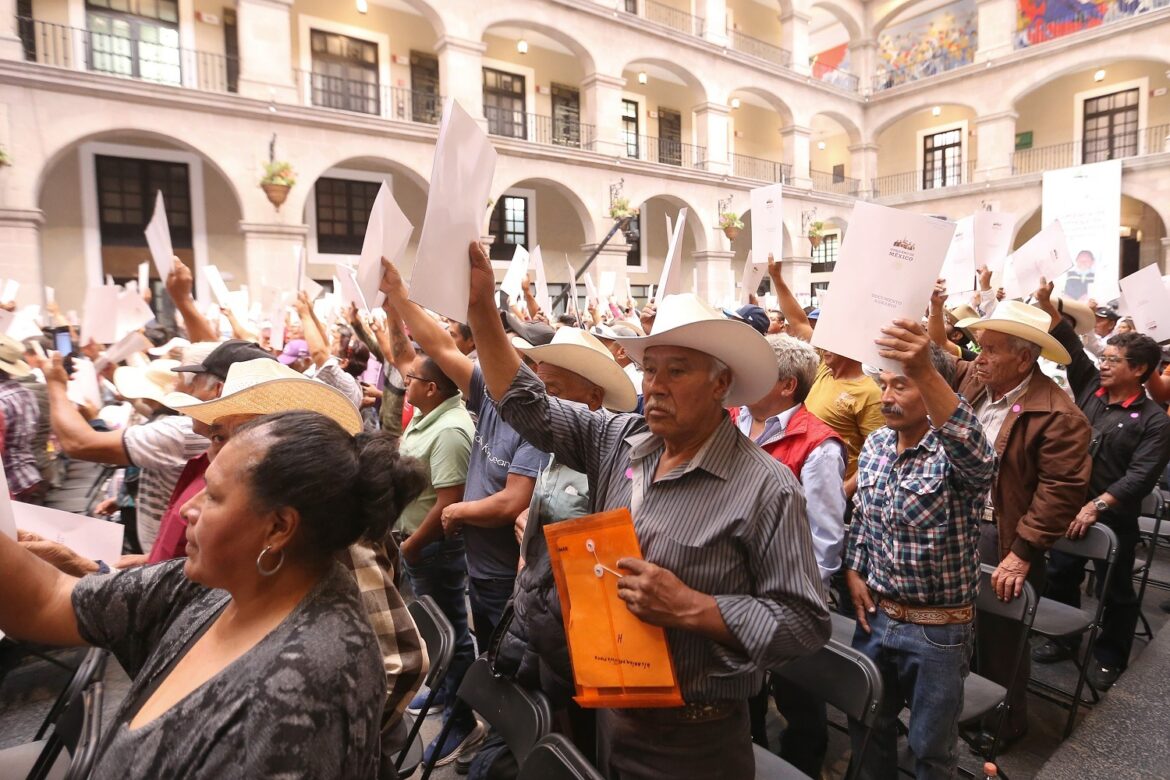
(730, 523)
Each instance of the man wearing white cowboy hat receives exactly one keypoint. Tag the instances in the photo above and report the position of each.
(729, 569)
(1042, 441)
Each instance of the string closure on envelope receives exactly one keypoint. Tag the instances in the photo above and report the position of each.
(599, 568)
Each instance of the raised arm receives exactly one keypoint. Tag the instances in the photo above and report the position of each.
(937, 322)
(1081, 372)
(498, 361)
(798, 324)
(397, 346)
(430, 335)
(76, 437)
(318, 347)
(179, 282)
(238, 330)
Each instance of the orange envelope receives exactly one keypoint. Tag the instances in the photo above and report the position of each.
(618, 660)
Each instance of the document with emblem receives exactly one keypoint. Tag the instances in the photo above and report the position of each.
(1045, 256)
(768, 222)
(1148, 302)
(618, 660)
(886, 270)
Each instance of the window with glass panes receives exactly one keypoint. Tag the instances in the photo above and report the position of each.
(1111, 126)
(634, 255)
(824, 257)
(126, 189)
(345, 72)
(509, 225)
(630, 127)
(135, 38)
(504, 103)
(343, 209)
(942, 159)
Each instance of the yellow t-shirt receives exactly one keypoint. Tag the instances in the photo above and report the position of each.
(851, 407)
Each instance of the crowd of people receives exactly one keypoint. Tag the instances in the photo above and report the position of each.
(282, 506)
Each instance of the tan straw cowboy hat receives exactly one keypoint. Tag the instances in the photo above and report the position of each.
(686, 321)
(1023, 321)
(152, 382)
(1082, 316)
(575, 350)
(264, 386)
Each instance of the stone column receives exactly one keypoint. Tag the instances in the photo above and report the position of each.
(997, 29)
(268, 255)
(715, 278)
(794, 38)
(711, 130)
(20, 235)
(1166, 256)
(863, 167)
(10, 46)
(996, 142)
(266, 64)
(461, 73)
(797, 272)
(612, 259)
(715, 20)
(863, 61)
(601, 106)
(796, 154)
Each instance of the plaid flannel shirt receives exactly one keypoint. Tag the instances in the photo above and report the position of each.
(403, 651)
(915, 534)
(21, 413)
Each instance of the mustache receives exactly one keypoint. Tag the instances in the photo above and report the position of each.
(658, 406)
(893, 410)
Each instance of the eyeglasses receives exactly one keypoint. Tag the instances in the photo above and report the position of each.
(1114, 359)
(417, 378)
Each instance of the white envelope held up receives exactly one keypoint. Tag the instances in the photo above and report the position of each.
(886, 270)
(670, 282)
(591, 296)
(1148, 302)
(128, 345)
(144, 277)
(387, 234)
(97, 325)
(513, 279)
(158, 238)
(133, 312)
(543, 299)
(218, 288)
(83, 386)
(11, 288)
(571, 283)
(753, 274)
(91, 537)
(608, 284)
(25, 323)
(461, 181)
(768, 222)
(1045, 255)
(350, 291)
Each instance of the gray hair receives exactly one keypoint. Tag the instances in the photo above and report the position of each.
(717, 368)
(795, 359)
(943, 363)
(1017, 344)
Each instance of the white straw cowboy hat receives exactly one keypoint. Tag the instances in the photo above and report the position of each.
(1023, 321)
(575, 350)
(264, 386)
(152, 382)
(12, 357)
(1082, 316)
(685, 321)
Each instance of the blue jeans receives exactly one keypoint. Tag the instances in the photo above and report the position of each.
(489, 597)
(441, 573)
(921, 667)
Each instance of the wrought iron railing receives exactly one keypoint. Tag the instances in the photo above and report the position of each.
(1043, 31)
(667, 152)
(538, 129)
(918, 181)
(1151, 140)
(835, 76)
(669, 16)
(746, 44)
(760, 169)
(887, 78)
(830, 182)
(157, 62)
(368, 97)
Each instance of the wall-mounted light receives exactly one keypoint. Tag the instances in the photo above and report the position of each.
(735, 102)
(642, 77)
(522, 46)
(363, 6)
(1099, 75)
(821, 145)
(936, 111)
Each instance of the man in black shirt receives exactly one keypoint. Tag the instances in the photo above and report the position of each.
(1130, 448)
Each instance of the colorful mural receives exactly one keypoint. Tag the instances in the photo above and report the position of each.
(832, 65)
(1042, 20)
(925, 45)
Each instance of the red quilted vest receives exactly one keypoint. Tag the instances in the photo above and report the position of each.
(803, 435)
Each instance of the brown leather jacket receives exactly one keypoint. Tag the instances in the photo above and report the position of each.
(1044, 464)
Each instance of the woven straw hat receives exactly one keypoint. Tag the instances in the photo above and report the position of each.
(575, 350)
(264, 386)
(1021, 320)
(1082, 316)
(152, 382)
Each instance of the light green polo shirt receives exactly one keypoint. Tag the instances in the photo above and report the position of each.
(441, 440)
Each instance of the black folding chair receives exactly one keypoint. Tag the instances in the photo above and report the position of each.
(843, 677)
(1150, 528)
(556, 758)
(1057, 621)
(91, 733)
(91, 668)
(981, 696)
(439, 637)
(521, 717)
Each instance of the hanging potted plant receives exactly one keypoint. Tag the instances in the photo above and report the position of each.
(816, 230)
(620, 209)
(731, 224)
(278, 179)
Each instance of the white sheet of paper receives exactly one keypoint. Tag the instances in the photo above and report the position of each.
(571, 282)
(608, 284)
(1148, 302)
(629, 290)
(299, 260)
(311, 288)
(128, 345)
(886, 269)
(349, 290)
(650, 296)
(753, 274)
(387, 234)
(7, 518)
(1045, 255)
(25, 323)
(461, 181)
(97, 325)
(993, 238)
(50, 295)
(514, 276)
(158, 238)
(83, 387)
(133, 313)
(958, 271)
(540, 280)
(218, 287)
(591, 296)
(96, 539)
(11, 288)
(143, 277)
(670, 283)
(768, 222)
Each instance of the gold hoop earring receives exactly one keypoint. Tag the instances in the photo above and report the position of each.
(260, 565)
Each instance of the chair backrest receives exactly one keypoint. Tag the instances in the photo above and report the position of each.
(85, 752)
(521, 717)
(1154, 505)
(1022, 609)
(437, 634)
(556, 758)
(1099, 542)
(842, 676)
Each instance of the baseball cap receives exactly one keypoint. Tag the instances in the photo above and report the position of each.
(535, 333)
(294, 351)
(814, 314)
(222, 357)
(754, 316)
(1107, 312)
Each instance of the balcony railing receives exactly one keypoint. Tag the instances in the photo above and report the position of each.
(828, 182)
(60, 46)
(666, 151)
(368, 97)
(887, 78)
(918, 181)
(759, 169)
(671, 17)
(1152, 140)
(1042, 31)
(537, 129)
(835, 76)
(746, 44)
